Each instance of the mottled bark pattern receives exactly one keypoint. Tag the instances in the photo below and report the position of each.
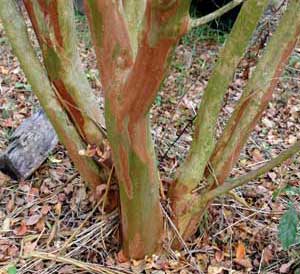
(131, 75)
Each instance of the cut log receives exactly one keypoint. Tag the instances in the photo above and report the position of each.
(30, 146)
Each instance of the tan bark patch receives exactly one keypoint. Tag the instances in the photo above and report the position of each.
(124, 171)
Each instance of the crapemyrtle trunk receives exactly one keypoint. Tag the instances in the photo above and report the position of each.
(191, 173)
(36, 74)
(54, 25)
(133, 54)
(249, 109)
(133, 41)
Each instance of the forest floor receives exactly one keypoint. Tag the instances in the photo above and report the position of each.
(38, 216)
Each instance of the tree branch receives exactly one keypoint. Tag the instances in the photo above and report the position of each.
(257, 94)
(203, 143)
(214, 15)
(233, 183)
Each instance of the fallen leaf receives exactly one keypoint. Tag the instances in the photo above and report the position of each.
(267, 122)
(121, 257)
(32, 220)
(57, 208)
(215, 269)
(240, 252)
(246, 263)
(292, 139)
(285, 268)
(257, 156)
(40, 225)
(13, 251)
(3, 179)
(45, 209)
(32, 195)
(21, 230)
(267, 255)
(29, 247)
(219, 256)
(6, 224)
(10, 204)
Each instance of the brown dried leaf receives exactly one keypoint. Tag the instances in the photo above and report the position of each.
(32, 220)
(21, 230)
(29, 247)
(40, 225)
(219, 256)
(45, 209)
(240, 252)
(267, 255)
(257, 156)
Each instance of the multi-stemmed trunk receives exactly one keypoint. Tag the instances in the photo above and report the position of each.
(133, 41)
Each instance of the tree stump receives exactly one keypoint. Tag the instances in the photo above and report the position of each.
(30, 146)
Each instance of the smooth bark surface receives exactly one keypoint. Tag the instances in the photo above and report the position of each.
(191, 172)
(54, 25)
(257, 94)
(131, 76)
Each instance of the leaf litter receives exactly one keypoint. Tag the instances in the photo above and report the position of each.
(39, 216)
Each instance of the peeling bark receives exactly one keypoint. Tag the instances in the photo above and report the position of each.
(133, 42)
(54, 25)
(131, 75)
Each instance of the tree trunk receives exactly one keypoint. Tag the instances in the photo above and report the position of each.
(191, 172)
(132, 70)
(256, 96)
(16, 31)
(54, 25)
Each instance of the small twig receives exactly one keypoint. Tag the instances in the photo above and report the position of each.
(190, 122)
(76, 232)
(107, 188)
(176, 230)
(233, 183)
(82, 265)
(214, 15)
(238, 199)
(261, 261)
(237, 222)
(72, 177)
